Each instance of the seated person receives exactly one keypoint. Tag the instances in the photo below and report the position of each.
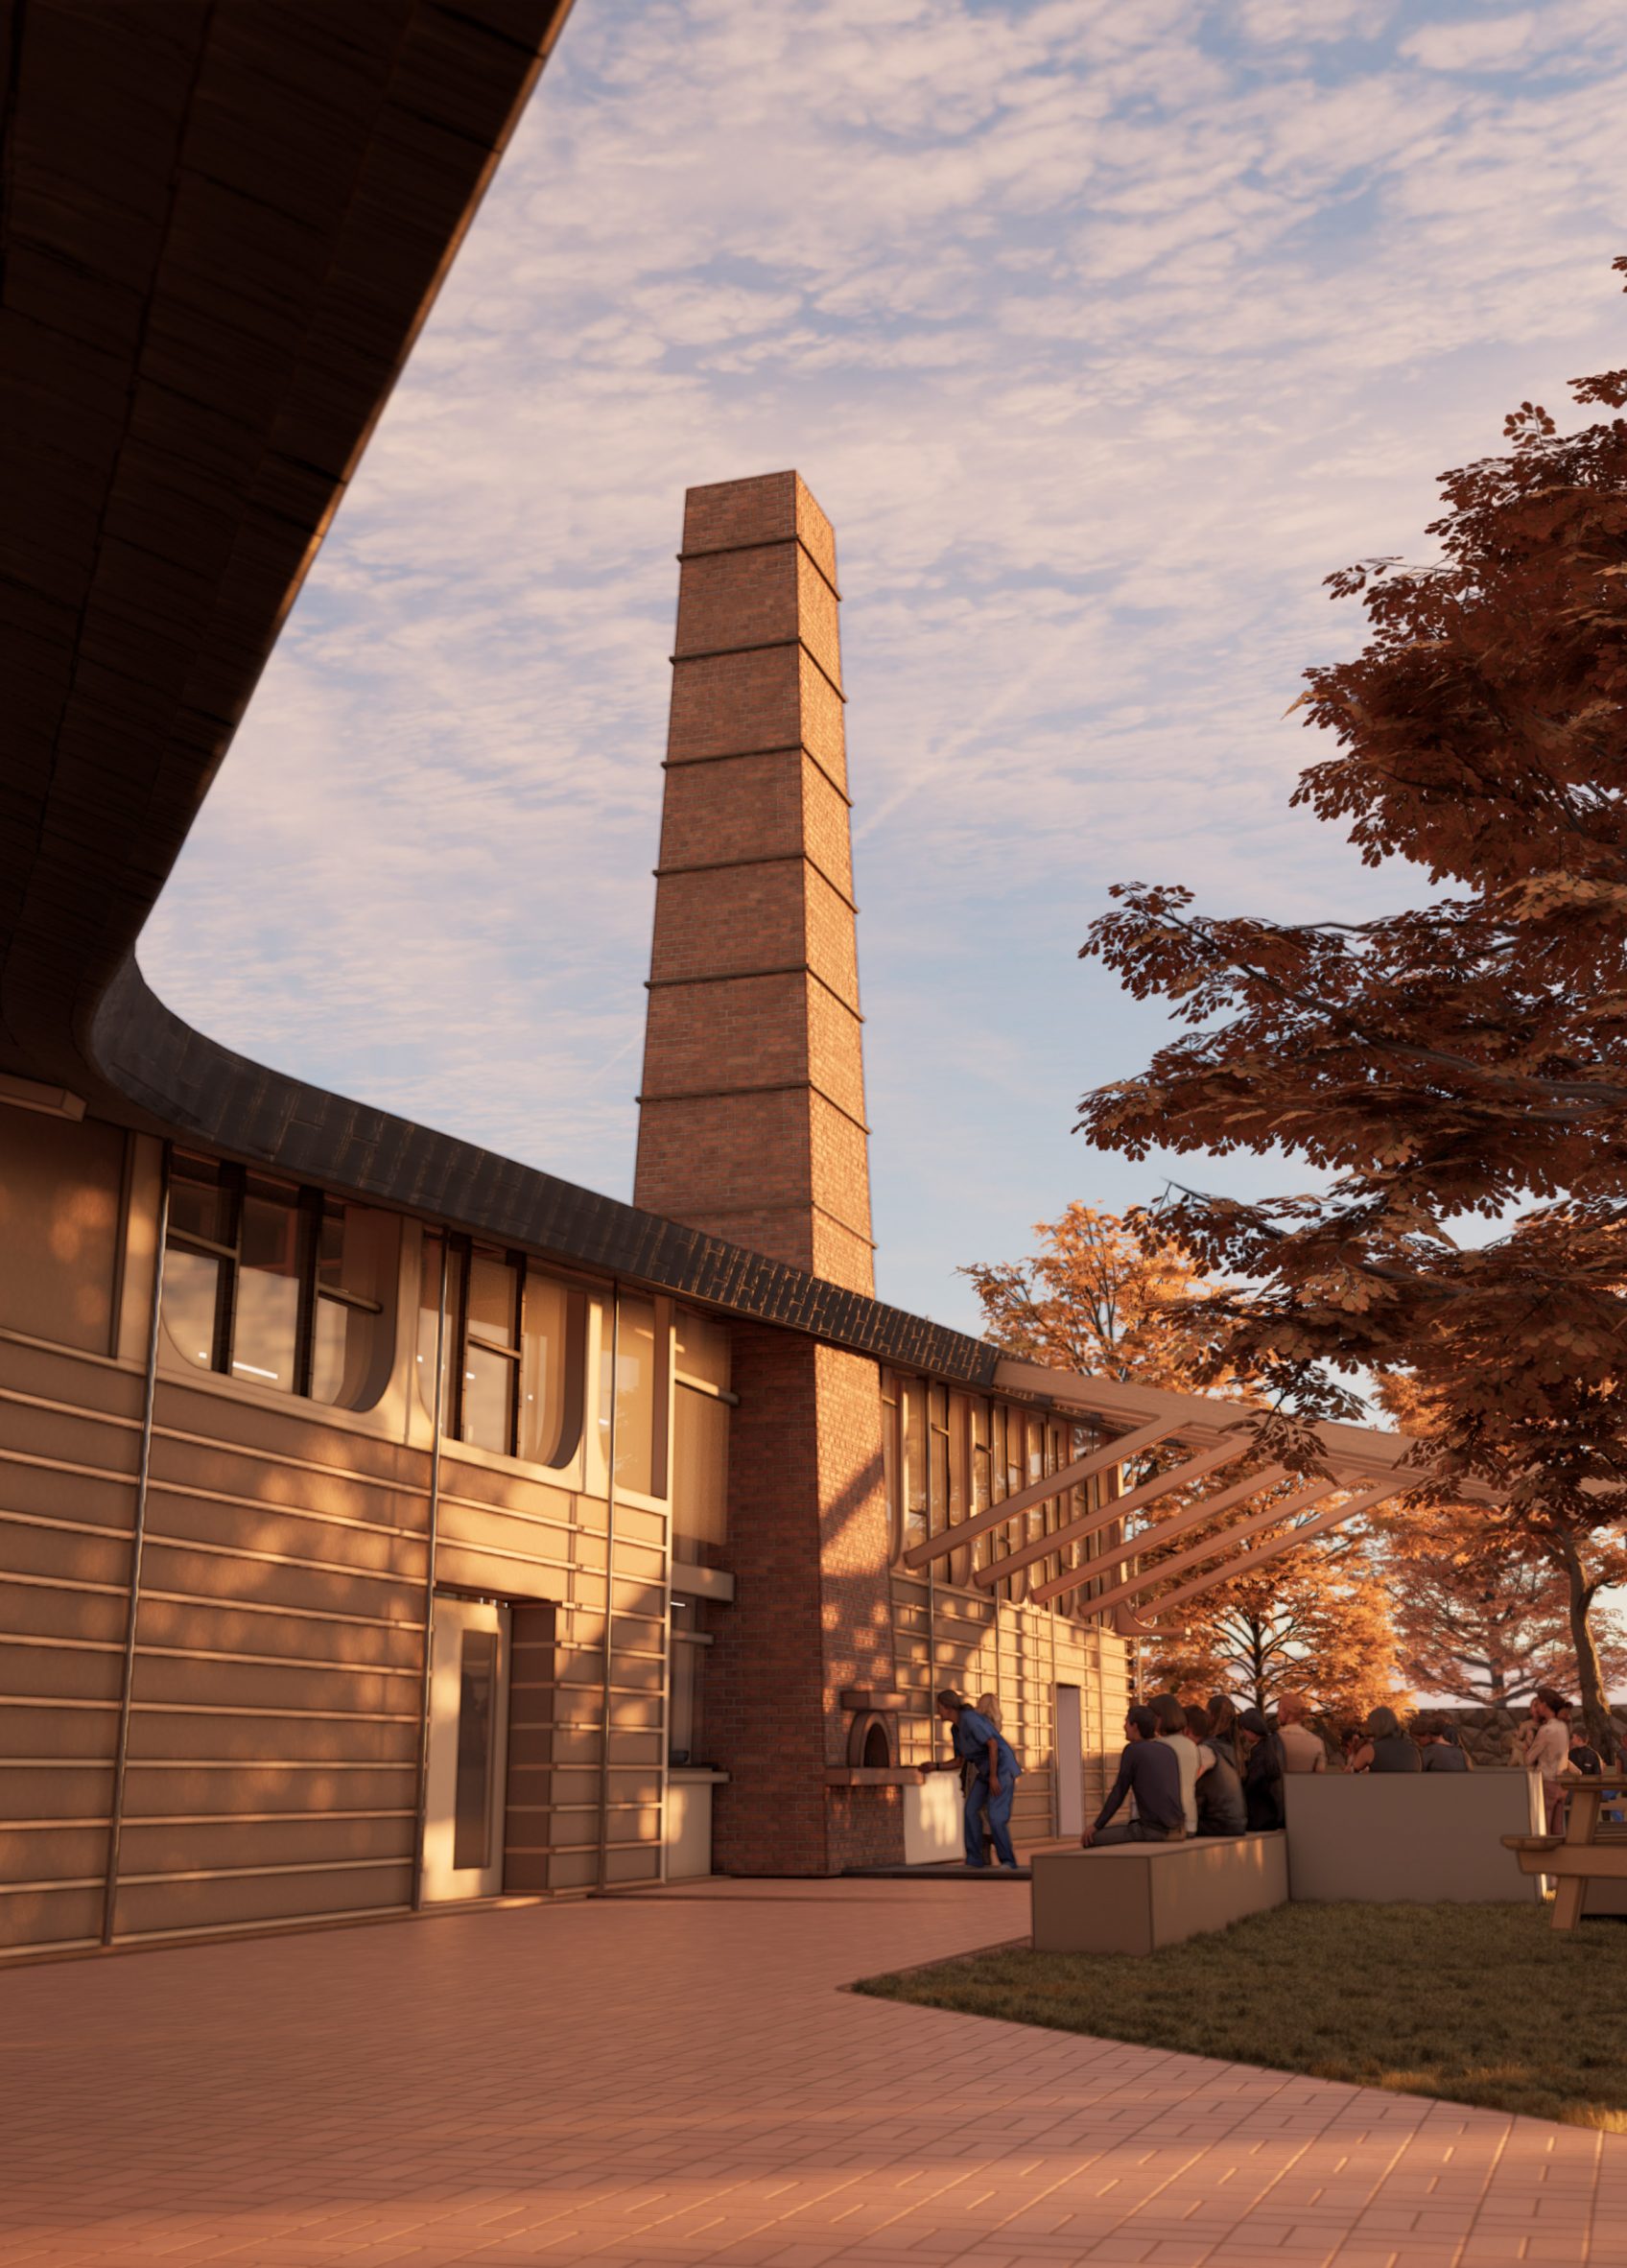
(1263, 1772)
(1223, 1730)
(1148, 1770)
(1584, 1756)
(1220, 1806)
(1171, 1716)
(1302, 1748)
(1438, 1748)
(1385, 1747)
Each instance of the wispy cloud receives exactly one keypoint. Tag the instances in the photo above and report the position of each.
(1101, 333)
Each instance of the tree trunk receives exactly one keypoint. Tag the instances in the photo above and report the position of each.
(1595, 1705)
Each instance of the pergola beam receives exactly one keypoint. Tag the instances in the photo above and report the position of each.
(1161, 1484)
(1212, 1548)
(1247, 1561)
(1117, 1451)
(1163, 1531)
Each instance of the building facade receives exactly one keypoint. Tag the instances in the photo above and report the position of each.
(382, 1522)
(355, 1559)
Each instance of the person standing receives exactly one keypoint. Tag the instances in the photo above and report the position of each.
(1147, 1771)
(1546, 1746)
(994, 1778)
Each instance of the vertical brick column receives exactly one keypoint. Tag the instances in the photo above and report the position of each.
(811, 1614)
(751, 1118)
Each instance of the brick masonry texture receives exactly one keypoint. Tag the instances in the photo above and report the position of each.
(752, 1126)
(752, 1101)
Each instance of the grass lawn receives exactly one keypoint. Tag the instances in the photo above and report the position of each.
(1479, 2003)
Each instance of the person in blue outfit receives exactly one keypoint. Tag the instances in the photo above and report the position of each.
(994, 1769)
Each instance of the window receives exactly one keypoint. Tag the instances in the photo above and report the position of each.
(686, 1730)
(914, 1418)
(635, 1395)
(701, 1433)
(515, 1341)
(281, 1287)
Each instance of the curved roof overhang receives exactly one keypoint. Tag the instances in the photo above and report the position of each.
(224, 227)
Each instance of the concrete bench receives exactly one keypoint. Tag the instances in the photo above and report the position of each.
(1132, 1898)
(1425, 1838)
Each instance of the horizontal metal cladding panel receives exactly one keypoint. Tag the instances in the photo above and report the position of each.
(264, 1527)
(76, 1732)
(496, 1576)
(51, 1374)
(573, 1870)
(67, 1437)
(639, 1563)
(233, 1900)
(157, 1791)
(151, 1846)
(47, 1918)
(640, 1671)
(213, 1681)
(517, 1489)
(50, 1790)
(215, 1735)
(639, 1528)
(235, 1628)
(514, 1536)
(356, 1498)
(578, 1746)
(293, 1428)
(60, 1672)
(634, 1866)
(55, 1854)
(46, 1610)
(638, 1599)
(68, 1502)
(229, 1572)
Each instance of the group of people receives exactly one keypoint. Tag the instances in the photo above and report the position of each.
(1218, 1770)
(1202, 1771)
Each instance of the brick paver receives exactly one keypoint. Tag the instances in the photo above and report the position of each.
(677, 2079)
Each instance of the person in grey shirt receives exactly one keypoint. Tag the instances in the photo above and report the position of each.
(1148, 1771)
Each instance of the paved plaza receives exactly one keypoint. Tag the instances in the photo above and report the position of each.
(678, 2078)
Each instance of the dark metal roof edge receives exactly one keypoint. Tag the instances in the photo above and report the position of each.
(190, 1085)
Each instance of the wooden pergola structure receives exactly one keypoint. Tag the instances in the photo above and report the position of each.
(1216, 1440)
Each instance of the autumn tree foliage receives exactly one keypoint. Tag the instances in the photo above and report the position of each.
(1457, 1071)
(1119, 1298)
(1480, 1616)
(1101, 1295)
(1316, 1621)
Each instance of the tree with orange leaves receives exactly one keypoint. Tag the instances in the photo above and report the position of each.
(1463, 1062)
(1116, 1298)
(1318, 1623)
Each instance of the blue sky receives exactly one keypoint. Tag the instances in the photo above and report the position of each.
(1102, 332)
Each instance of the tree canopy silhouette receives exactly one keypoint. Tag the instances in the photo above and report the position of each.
(1463, 1062)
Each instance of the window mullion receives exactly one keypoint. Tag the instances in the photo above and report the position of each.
(307, 1241)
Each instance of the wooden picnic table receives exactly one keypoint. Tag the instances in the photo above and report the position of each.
(1586, 1852)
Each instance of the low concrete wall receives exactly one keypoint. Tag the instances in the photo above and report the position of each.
(1427, 1838)
(934, 1820)
(1131, 1898)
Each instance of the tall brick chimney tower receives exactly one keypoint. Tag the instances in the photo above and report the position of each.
(752, 1119)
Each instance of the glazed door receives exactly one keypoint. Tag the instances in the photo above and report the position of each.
(468, 1749)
